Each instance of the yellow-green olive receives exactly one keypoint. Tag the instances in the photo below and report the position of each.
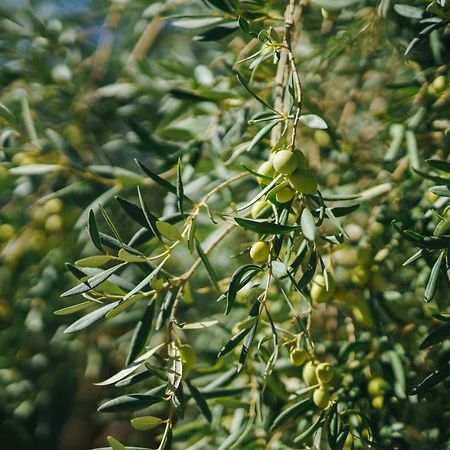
(285, 194)
(309, 373)
(321, 397)
(297, 356)
(324, 373)
(259, 252)
(258, 207)
(266, 169)
(319, 292)
(285, 162)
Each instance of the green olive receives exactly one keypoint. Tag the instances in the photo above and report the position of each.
(309, 373)
(378, 402)
(53, 206)
(258, 207)
(297, 356)
(376, 386)
(359, 276)
(364, 254)
(266, 169)
(54, 223)
(259, 252)
(6, 232)
(321, 397)
(322, 138)
(303, 181)
(318, 292)
(157, 283)
(324, 373)
(285, 194)
(285, 162)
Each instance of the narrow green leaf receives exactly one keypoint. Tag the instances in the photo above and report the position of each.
(145, 281)
(124, 373)
(145, 423)
(209, 268)
(150, 219)
(233, 342)
(92, 282)
(431, 286)
(72, 309)
(236, 284)
(310, 430)
(414, 257)
(438, 375)
(90, 318)
(166, 307)
(133, 211)
(141, 333)
(175, 369)
(130, 402)
(158, 180)
(123, 305)
(438, 164)
(217, 33)
(260, 135)
(115, 444)
(333, 426)
(180, 188)
(264, 227)
(439, 334)
(93, 231)
(291, 412)
(200, 400)
(35, 169)
(441, 191)
(308, 225)
(313, 121)
(94, 261)
(260, 100)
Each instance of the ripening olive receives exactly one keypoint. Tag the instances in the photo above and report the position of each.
(438, 85)
(378, 402)
(297, 356)
(266, 169)
(359, 276)
(6, 232)
(309, 373)
(285, 194)
(54, 223)
(303, 181)
(285, 162)
(259, 252)
(324, 373)
(322, 138)
(157, 283)
(258, 207)
(321, 397)
(364, 254)
(319, 292)
(53, 206)
(376, 386)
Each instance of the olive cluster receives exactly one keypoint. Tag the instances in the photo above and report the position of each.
(297, 179)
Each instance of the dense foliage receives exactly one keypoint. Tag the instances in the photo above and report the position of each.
(251, 198)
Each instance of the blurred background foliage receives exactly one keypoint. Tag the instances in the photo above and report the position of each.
(87, 86)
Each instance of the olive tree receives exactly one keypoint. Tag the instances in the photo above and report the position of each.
(263, 232)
